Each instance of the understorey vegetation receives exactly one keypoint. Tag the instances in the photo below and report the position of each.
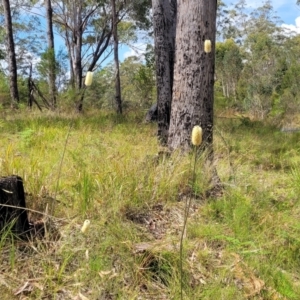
(240, 243)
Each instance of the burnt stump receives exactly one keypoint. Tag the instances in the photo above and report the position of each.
(13, 212)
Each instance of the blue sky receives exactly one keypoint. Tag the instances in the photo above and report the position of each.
(286, 10)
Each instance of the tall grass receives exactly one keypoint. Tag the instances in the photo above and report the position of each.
(244, 244)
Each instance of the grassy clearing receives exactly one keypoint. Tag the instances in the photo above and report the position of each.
(243, 245)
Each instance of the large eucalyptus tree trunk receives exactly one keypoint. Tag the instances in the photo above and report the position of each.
(116, 58)
(193, 87)
(164, 23)
(12, 64)
(51, 54)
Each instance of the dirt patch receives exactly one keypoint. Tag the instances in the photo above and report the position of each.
(160, 219)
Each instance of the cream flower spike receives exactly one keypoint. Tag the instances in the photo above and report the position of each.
(85, 226)
(197, 135)
(88, 78)
(207, 46)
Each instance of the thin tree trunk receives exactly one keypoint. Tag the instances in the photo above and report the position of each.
(116, 58)
(74, 42)
(101, 47)
(12, 64)
(77, 62)
(227, 90)
(164, 23)
(30, 90)
(68, 44)
(223, 87)
(234, 91)
(51, 50)
(77, 43)
(193, 90)
(76, 53)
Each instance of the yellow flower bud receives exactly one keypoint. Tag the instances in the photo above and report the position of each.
(85, 226)
(207, 46)
(88, 78)
(197, 135)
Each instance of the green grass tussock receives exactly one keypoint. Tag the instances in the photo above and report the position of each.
(241, 244)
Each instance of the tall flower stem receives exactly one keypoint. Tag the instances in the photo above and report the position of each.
(196, 140)
(187, 207)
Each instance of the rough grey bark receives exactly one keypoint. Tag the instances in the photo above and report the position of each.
(12, 64)
(164, 25)
(116, 58)
(52, 64)
(193, 87)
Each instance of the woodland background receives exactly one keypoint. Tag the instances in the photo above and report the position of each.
(108, 167)
(257, 65)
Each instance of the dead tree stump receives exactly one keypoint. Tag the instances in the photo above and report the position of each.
(13, 212)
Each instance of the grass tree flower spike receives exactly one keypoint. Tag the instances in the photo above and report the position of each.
(207, 46)
(197, 135)
(88, 78)
(85, 226)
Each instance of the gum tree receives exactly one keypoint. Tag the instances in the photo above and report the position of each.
(193, 87)
(87, 28)
(164, 25)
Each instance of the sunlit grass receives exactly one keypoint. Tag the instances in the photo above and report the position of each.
(244, 243)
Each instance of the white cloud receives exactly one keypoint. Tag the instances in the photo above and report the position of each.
(257, 3)
(292, 29)
(298, 22)
(24, 59)
(129, 53)
(137, 49)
